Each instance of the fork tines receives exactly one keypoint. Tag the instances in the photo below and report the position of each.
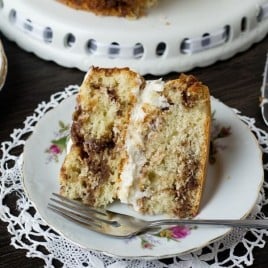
(78, 212)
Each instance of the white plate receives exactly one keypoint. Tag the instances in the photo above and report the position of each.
(231, 189)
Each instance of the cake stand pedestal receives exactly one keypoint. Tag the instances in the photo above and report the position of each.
(173, 36)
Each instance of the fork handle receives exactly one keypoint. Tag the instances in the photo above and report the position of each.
(247, 223)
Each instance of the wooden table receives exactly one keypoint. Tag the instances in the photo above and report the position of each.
(31, 80)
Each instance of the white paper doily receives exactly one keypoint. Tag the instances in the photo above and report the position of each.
(29, 232)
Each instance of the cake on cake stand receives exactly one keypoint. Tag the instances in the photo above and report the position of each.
(173, 36)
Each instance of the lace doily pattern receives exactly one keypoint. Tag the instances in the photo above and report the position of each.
(28, 231)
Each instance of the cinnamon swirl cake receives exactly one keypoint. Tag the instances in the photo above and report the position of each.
(143, 142)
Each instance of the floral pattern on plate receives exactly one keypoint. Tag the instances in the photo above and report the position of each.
(173, 233)
(59, 143)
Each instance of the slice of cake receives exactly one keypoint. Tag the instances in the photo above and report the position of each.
(167, 146)
(144, 143)
(92, 168)
(120, 8)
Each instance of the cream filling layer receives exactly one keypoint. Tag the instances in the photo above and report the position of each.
(129, 189)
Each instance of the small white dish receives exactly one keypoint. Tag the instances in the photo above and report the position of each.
(3, 66)
(231, 190)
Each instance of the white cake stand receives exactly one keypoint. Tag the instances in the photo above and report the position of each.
(177, 35)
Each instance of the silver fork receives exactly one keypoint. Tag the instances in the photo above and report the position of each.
(125, 226)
